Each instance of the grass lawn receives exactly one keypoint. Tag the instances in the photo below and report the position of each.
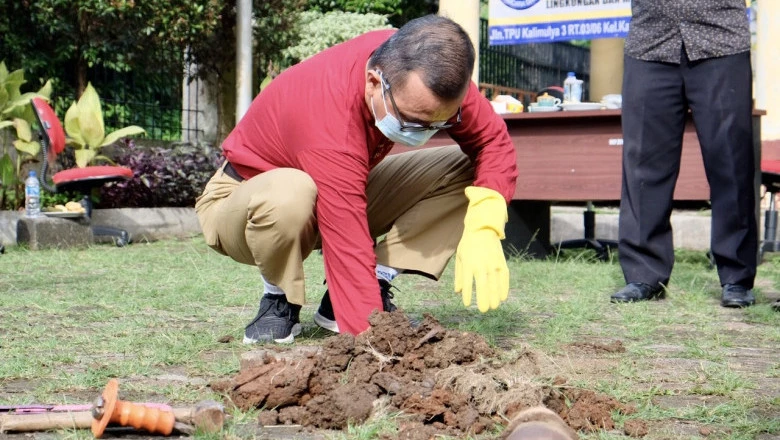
(167, 318)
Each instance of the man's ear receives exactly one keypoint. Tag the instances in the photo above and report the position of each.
(372, 81)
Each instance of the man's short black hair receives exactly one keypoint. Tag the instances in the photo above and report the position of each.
(435, 47)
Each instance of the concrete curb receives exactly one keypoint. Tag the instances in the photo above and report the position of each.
(143, 224)
(691, 228)
(150, 224)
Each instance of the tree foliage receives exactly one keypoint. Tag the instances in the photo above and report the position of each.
(398, 12)
(319, 31)
(274, 28)
(63, 39)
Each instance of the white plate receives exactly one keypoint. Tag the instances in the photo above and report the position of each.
(579, 106)
(541, 109)
(63, 214)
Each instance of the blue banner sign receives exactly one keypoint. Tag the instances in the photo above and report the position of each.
(539, 21)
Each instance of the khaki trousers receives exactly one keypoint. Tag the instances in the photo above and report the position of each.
(416, 201)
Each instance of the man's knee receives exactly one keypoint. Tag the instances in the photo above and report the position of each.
(286, 205)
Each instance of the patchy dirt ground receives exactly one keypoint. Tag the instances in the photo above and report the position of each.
(445, 383)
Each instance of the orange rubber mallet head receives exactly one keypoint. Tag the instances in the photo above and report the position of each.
(109, 409)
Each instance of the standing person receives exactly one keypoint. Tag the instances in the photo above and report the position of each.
(306, 167)
(685, 55)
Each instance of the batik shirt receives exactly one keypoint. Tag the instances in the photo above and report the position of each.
(705, 28)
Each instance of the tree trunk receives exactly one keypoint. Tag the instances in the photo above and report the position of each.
(81, 76)
(81, 63)
(226, 100)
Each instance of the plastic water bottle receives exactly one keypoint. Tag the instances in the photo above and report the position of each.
(572, 88)
(32, 195)
(576, 91)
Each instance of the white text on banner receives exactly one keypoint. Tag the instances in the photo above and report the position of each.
(534, 21)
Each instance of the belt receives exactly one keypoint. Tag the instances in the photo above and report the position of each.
(230, 171)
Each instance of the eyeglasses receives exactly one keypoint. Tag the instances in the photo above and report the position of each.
(414, 126)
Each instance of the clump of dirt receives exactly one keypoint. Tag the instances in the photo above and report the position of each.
(445, 382)
(594, 347)
(591, 411)
(635, 428)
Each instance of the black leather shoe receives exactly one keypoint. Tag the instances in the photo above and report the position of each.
(634, 292)
(735, 295)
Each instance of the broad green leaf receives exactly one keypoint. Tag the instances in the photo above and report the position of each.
(266, 81)
(3, 98)
(31, 148)
(84, 157)
(3, 72)
(72, 127)
(23, 130)
(46, 90)
(104, 159)
(76, 144)
(7, 169)
(122, 132)
(16, 76)
(16, 106)
(26, 112)
(5, 124)
(91, 117)
(13, 83)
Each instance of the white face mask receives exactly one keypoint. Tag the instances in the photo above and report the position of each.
(390, 126)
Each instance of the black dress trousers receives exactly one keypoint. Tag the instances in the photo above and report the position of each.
(656, 99)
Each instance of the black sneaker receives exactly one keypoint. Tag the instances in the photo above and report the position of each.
(387, 295)
(325, 318)
(277, 321)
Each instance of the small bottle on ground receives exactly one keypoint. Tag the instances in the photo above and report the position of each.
(32, 195)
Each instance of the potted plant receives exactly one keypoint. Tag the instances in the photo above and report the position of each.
(16, 112)
(86, 132)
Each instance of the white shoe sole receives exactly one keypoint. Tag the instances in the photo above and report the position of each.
(326, 323)
(295, 331)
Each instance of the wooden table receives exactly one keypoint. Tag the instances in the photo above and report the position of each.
(576, 156)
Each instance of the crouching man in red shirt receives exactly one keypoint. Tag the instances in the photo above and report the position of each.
(306, 167)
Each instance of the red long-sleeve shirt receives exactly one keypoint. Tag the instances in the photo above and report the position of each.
(313, 117)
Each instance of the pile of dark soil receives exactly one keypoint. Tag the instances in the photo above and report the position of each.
(444, 382)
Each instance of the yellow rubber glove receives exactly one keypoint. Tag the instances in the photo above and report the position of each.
(480, 258)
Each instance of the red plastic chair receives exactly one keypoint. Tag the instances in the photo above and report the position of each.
(770, 178)
(83, 180)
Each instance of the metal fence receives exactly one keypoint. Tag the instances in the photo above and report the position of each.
(150, 98)
(168, 107)
(531, 67)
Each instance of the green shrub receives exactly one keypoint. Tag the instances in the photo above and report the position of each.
(162, 176)
(320, 31)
